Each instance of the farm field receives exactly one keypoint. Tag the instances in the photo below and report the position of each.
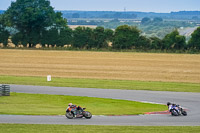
(101, 65)
(75, 26)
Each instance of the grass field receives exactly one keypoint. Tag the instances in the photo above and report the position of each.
(103, 84)
(101, 65)
(22, 128)
(42, 104)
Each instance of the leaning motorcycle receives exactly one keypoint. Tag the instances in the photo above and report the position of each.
(177, 110)
(74, 113)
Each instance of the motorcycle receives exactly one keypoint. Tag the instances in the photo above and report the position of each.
(177, 110)
(75, 113)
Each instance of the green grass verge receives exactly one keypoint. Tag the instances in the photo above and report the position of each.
(104, 84)
(32, 128)
(43, 104)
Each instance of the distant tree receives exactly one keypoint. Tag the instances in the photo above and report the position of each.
(145, 20)
(99, 38)
(169, 39)
(19, 38)
(174, 41)
(75, 15)
(115, 20)
(56, 36)
(195, 18)
(143, 43)
(32, 17)
(109, 34)
(50, 37)
(65, 36)
(82, 37)
(4, 34)
(132, 16)
(156, 43)
(194, 42)
(128, 15)
(117, 15)
(157, 19)
(59, 22)
(125, 37)
(180, 42)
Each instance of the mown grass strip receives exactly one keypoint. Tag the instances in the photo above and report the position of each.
(33, 128)
(104, 84)
(43, 104)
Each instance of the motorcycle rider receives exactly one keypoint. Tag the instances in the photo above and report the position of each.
(77, 109)
(69, 106)
(171, 105)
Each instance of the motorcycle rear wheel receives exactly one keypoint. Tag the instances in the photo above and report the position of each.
(87, 115)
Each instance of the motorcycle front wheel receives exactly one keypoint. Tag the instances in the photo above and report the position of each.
(184, 113)
(87, 115)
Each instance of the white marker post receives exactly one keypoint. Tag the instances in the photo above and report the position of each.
(48, 78)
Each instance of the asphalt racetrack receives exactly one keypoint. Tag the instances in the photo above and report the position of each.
(190, 101)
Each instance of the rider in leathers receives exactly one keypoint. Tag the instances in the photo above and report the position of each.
(77, 109)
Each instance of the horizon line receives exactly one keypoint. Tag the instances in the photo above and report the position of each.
(121, 11)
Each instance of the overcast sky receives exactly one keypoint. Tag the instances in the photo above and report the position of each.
(120, 5)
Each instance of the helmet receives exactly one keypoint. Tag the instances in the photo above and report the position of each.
(168, 103)
(70, 104)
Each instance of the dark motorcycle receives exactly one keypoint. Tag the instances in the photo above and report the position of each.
(77, 113)
(177, 110)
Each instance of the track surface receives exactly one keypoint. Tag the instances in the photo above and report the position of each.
(191, 101)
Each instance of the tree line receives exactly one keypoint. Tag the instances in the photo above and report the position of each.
(181, 15)
(36, 22)
(99, 14)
